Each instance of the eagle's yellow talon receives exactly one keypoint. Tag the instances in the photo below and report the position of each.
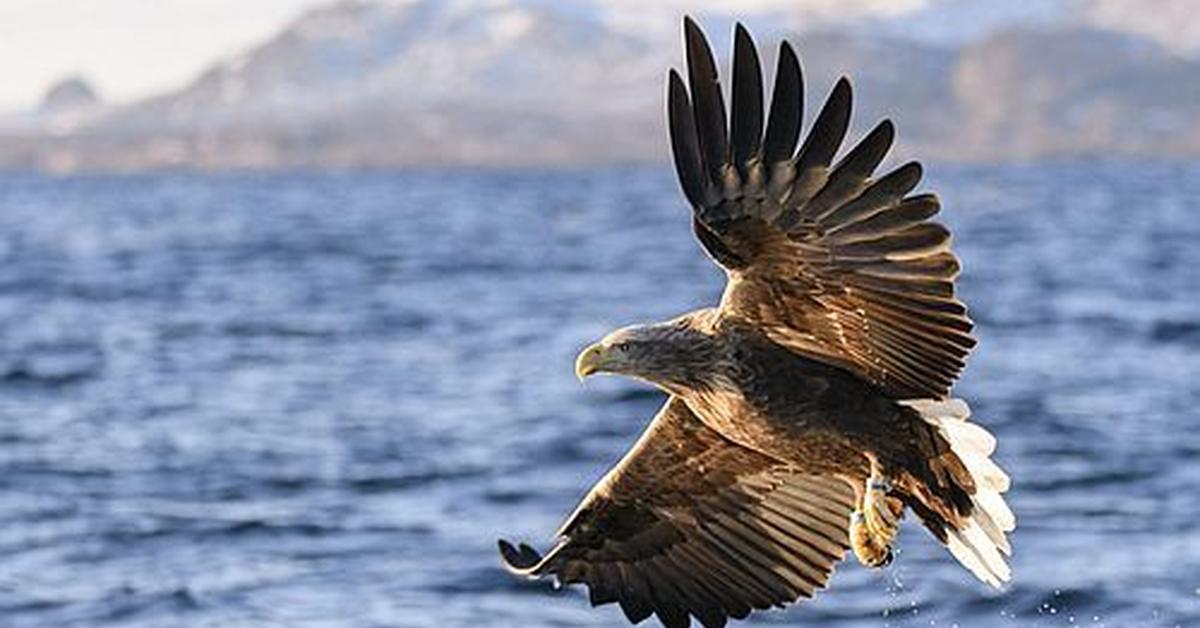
(873, 529)
(871, 550)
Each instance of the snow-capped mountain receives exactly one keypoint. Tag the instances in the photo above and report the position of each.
(549, 82)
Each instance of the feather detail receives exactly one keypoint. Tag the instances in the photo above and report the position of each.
(981, 543)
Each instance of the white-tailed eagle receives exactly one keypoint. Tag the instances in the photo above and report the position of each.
(810, 410)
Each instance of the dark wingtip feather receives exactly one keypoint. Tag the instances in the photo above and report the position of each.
(841, 98)
(787, 107)
(913, 170)
(747, 130)
(685, 145)
(693, 37)
(528, 553)
(788, 52)
(887, 127)
(878, 141)
(900, 181)
(829, 129)
(742, 37)
(518, 560)
(707, 101)
(510, 556)
(869, 152)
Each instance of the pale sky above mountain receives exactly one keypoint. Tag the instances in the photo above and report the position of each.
(1173, 23)
(126, 48)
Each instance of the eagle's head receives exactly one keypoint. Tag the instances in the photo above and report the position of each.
(673, 355)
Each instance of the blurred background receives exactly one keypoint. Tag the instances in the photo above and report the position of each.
(290, 293)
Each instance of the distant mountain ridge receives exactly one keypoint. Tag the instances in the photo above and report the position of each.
(534, 83)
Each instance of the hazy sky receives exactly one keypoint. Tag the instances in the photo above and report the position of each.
(127, 48)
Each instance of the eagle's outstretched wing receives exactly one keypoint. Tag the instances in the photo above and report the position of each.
(688, 523)
(826, 259)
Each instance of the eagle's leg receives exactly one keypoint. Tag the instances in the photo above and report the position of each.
(874, 525)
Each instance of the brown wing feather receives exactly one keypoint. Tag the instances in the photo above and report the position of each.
(827, 260)
(691, 524)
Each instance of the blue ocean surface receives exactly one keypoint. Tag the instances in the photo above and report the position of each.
(317, 399)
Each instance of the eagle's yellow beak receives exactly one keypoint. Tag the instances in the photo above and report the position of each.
(589, 361)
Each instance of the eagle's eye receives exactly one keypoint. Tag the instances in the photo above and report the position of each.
(623, 347)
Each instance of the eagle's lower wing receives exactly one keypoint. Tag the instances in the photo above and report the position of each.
(827, 260)
(689, 523)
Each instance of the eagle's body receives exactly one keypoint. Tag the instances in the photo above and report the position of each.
(810, 410)
(766, 398)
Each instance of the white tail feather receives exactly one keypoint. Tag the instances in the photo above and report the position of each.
(981, 545)
(991, 528)
(993, 504)
(987, 474)
(968, 557)
(969, 437)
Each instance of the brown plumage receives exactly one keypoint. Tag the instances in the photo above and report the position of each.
(810, 409)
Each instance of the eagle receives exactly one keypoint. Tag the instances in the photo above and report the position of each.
(810, 410)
